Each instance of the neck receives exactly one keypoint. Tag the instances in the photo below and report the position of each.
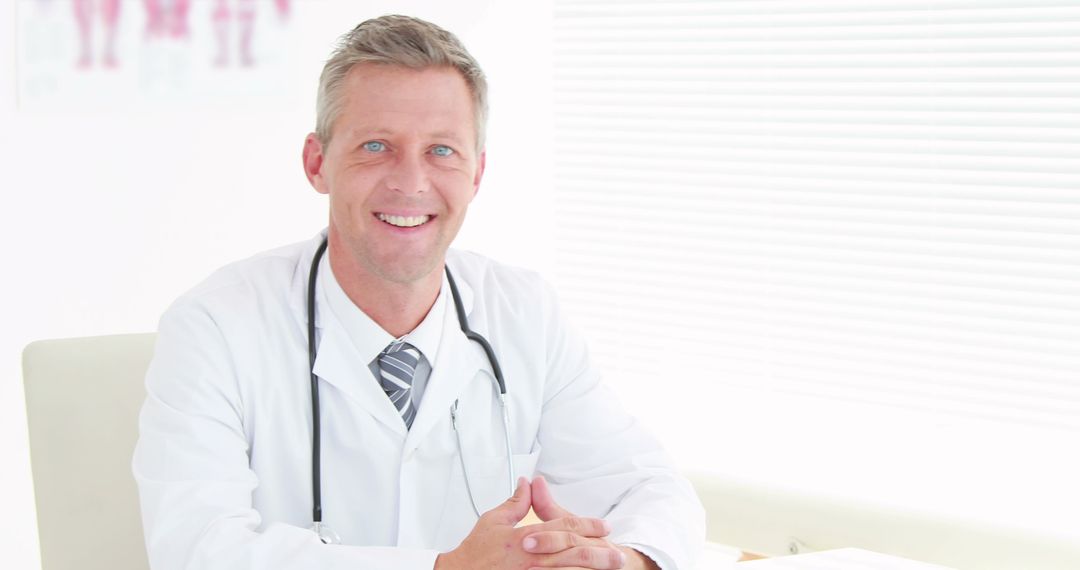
(396, 307)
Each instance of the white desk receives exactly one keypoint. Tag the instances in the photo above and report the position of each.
(842, 559)
(718, 557)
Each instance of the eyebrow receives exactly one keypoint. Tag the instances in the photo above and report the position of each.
(448, 135)
(361, 132)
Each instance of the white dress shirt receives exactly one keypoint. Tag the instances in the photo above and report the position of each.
(370, 339)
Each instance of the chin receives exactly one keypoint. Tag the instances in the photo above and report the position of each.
(407, 271)
(397, 263)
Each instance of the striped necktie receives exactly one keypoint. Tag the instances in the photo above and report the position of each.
(397, 365)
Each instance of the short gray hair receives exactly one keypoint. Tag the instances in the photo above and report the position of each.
(403, 41)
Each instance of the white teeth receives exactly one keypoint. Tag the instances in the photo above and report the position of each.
(403, 221)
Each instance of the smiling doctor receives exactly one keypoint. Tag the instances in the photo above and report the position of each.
(370, 399)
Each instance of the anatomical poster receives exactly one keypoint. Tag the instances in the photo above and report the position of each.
(119, 54)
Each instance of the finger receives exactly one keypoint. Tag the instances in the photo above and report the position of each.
(584, 526)
(516, 507)
(594, 557)
(544, 504)
(551, 542)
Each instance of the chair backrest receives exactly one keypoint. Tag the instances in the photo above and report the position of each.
(83, 397)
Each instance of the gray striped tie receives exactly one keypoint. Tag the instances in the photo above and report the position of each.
(397, 365)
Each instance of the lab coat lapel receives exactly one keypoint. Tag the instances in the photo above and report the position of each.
(339, 364)
(460, 360)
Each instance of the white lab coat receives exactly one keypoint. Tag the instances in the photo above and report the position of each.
(223, 461)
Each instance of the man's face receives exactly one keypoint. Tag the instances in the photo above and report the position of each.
(401, 167)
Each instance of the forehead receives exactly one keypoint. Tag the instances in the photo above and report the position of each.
(392, 98)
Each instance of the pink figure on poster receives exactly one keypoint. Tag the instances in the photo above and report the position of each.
(282, 8)
(240, 13)
(109, 12)
(167, 18)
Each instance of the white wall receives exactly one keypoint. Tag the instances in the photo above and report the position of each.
(109, 215)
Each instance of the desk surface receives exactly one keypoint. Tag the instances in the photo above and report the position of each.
(842, 559)
(718, 557)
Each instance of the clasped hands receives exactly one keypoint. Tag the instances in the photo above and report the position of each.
(562, 542)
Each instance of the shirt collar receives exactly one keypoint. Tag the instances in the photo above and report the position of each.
(367, 336)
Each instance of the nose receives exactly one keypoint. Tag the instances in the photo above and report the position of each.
(408, 175)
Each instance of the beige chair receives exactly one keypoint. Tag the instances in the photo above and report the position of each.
(82, 400)
(776, 522)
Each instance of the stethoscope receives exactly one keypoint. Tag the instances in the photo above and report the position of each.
(325, 533)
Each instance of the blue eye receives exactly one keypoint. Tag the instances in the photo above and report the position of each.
(442, 150)
(374, 146)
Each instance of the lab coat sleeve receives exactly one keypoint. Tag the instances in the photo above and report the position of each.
(603, 463)
(191, 466)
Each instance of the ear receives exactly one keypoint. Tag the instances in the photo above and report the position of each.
(479, 171)
(313, 161)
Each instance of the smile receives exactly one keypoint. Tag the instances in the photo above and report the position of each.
(403, 221)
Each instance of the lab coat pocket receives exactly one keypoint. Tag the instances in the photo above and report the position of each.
(490, 479)
(525, 464)
(488, 484)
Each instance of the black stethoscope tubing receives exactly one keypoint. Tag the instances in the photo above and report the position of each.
(316, 436)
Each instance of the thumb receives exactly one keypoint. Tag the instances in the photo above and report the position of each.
(544, 504)
(517, 506)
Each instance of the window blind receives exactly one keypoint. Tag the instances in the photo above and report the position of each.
(870, 205)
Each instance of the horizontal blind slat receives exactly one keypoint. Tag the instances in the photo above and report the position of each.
(836, 170)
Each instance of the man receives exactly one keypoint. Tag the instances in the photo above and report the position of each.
(415, 458)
